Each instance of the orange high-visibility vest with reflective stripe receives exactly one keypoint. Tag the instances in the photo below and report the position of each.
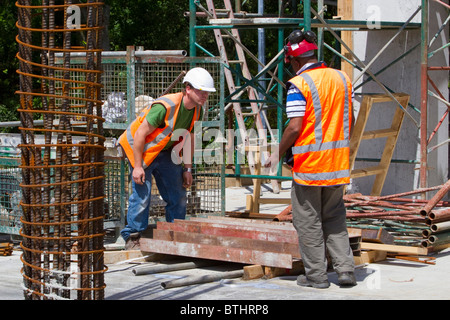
(158, 139)
(321, 152)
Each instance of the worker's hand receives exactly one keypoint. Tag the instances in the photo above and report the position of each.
(138, 175)
(272, 161)
(187, 179)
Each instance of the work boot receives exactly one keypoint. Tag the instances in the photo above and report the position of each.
(305, 282)
(346, 279)
(132, 242)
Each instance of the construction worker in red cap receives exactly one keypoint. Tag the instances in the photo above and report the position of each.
(316, 143)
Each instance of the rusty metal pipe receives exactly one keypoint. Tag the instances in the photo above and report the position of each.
(202, 279)
(439, 227)
(441, 214)
(167, 267)
(285, 214)
(436, 198)
(439, 238)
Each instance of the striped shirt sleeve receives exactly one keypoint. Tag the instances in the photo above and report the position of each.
(295, 103)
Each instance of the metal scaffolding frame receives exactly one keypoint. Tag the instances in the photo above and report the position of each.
(426, 56)
(244, 20)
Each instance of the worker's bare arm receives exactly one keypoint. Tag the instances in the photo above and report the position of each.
(187, 175)
(138, 148)
(290, 134)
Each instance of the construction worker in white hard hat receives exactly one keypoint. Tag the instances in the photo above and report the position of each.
(319, 108)
(148, 144)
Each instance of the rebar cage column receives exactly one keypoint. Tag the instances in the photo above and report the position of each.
(62, 178)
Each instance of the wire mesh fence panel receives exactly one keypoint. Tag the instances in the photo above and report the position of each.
(129, 85)
(116, 181)
(205, 196)
(151, 78)
(10, 195)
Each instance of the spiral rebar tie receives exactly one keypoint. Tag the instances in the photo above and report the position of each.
(63, 177)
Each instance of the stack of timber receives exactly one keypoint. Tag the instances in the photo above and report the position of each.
(6, 249)
(246, 241)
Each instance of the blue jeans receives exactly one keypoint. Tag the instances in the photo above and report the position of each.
(169, 180)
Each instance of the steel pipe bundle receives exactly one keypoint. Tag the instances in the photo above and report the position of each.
(62, 179)
(408, 220)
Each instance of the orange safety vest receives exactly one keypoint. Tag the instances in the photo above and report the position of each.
(158, 139)
(321, 152)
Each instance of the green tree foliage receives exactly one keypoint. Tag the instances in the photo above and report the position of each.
(9, 79)
(153, 24)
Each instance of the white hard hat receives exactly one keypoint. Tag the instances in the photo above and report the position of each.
(200, 79)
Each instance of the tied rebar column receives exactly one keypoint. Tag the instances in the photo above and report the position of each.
(63, 161)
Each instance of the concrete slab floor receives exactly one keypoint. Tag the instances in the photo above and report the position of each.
(387, 280)
(390, 279)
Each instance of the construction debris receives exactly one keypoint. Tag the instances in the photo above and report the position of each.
(410, 221)
(401, 220)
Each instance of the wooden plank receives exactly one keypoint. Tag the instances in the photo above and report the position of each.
(217, 253)
(381, 133)
(345, 10)
(257, 271)
(250, 215)
(253, 272)
(256, 183)
(275, 200)
(231, 242)
(378, 98)
(359, 127)
(393, 248)
(111, 257)
(370, 256)
(272, 272)
(368, 171)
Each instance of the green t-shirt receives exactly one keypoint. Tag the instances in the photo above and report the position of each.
(157, 114)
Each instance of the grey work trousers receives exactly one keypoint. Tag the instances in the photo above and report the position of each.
(318, 215)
